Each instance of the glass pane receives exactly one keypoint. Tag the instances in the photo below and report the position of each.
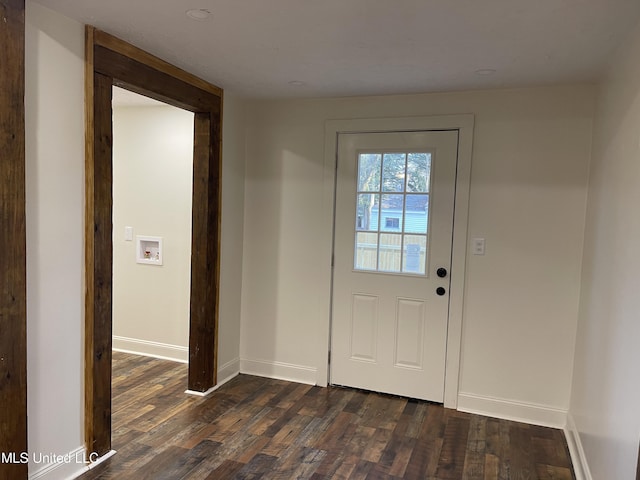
(415, 213)
(391, 216)
(415, 254)
(392, 212)
(369, 172)
(366, 257)
(393, 167)
(390, 254)
(418, 172)
(367, 210)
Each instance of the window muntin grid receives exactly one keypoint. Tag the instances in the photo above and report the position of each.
(392, 212)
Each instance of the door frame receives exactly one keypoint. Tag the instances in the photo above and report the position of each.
(110, 61)
(464, 125)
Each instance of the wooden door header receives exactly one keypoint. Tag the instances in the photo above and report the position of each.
(109, 42)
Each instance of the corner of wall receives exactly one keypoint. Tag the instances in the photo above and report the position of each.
(602, 421)
(578, 457)
(233, 175)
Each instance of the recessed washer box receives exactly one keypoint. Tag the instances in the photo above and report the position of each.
(149, 250)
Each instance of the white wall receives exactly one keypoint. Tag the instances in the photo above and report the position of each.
(152, 190)
(161, 139)
(528, 196)
(55, 229)
(233, 171)
(55, 232)
(605, 399)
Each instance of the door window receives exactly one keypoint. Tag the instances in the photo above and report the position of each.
(392, 212)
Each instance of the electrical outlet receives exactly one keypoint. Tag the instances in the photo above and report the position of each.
(478, 246)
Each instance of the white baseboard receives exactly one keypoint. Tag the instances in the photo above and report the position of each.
(279, 370)
(94, 464)
(164, 351)
(65, 466)
(226, 372)
(578, 457)
(206, 393)
(512, 410)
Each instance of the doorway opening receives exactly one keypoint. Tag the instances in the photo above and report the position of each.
(152, 191)
(111, 61)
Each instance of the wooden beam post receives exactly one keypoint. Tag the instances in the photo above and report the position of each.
(13, 269)
(205, 262)
(99, 252)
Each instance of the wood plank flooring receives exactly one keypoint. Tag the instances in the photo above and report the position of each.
(261, 428)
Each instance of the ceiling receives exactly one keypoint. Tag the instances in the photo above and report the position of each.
(304, 48)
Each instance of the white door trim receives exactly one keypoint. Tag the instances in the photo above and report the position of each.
(464, 125)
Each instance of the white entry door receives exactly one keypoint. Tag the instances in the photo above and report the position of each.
(392, 257)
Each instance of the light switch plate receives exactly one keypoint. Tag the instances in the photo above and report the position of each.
(478, 246)
(128, 234)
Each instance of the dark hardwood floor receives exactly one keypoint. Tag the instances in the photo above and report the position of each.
(260, 428)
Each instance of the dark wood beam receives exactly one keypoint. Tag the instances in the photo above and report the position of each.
(114, 44)
(13, 270)
(99, 255)
(136, 76)
(110, 61)
(205, 251)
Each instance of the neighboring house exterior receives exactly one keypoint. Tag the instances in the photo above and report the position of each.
(391, 219)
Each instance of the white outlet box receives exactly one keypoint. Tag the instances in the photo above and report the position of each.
(149, 250)
(478, 246)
